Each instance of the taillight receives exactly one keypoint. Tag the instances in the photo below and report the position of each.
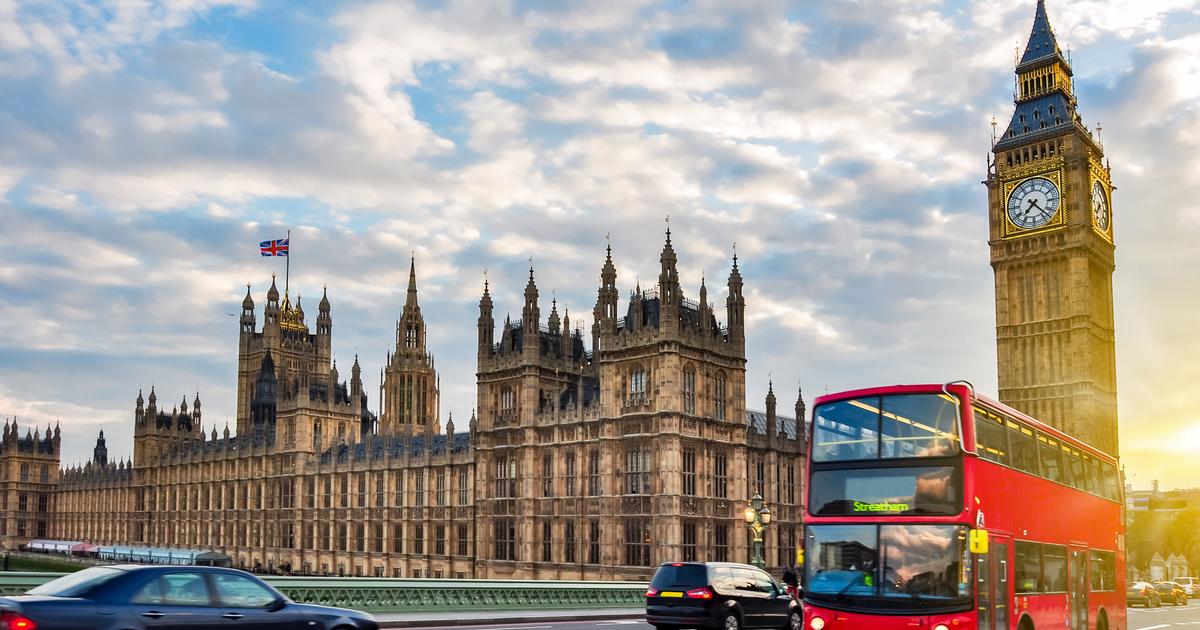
(650, 592)
(700, 593)
(13, 621)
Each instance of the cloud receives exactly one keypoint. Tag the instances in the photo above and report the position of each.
(149, 147)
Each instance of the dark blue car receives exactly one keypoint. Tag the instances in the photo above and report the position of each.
(131, 597)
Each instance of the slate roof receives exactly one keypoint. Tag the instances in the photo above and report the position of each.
(1042, 44)
(757, 420)
(1046, 116)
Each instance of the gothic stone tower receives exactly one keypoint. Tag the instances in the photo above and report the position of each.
(408, 387)
(303, 406)
(602, 464)
(1051, 239)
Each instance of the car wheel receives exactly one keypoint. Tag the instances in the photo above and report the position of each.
(731, 622)
(795, 622)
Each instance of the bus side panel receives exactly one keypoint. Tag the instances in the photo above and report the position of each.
(1031, 508)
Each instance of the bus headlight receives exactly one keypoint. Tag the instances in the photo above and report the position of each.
(817, 623)
(941, 626)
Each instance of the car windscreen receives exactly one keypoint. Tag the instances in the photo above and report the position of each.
(886, 427)
(77, 584)
(679, 576)
(912, 490)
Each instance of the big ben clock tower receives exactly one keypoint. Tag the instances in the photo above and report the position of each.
(1051, 239)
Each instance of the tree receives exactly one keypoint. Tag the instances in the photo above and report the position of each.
(1183, 536)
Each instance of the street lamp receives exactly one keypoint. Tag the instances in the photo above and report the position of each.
(757, 516)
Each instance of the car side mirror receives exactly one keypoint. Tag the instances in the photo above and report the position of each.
(278, 604)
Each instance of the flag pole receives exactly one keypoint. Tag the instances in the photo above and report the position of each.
(287, 266)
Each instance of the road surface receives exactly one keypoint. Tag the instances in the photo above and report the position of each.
(1166, 618)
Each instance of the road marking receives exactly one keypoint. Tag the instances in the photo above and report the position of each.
(1161, 625)
(625, 622)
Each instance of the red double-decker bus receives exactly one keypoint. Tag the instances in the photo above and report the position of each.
(929, 507)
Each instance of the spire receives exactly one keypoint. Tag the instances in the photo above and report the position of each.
(1042, 43)
(247, 302)
(554, 320)
(273, 292)
(531, 314)
(411, 300)
(324, 305)
(668, 278)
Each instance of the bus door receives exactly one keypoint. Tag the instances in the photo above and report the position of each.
(1077, 588)
(992, 586)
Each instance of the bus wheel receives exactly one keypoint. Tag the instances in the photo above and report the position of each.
(1025, 624)
(1102, 622)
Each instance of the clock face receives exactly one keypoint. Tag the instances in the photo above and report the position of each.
(1099, 206)
(1033, 203)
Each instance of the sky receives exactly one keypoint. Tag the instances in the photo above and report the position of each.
(147, 147)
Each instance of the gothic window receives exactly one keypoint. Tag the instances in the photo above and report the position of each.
(638, 381)
(720, 477)
(44, 474)
(508, 401)
(419, 491)
(760, 477)
(689, 389)
(791, 483)
(418, 540)
(506, 539)
(24, 471)
(594, 474)
(410, 336)
(463, 482)
(637, 542)
(689, 542)
(506, 477)
(569, 490)
(377, 535)
(316, 441)
(547, 542)
(462, 540)
(547, 476)
(569, 542)
(594, 542)
(439, 540)
(689, 472)
(398, 538)
(637, 470)
(362, 489)
(719, 397)
(443, 498)
(380, 494)
(721, 543)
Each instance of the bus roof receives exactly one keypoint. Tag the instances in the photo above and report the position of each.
(994, 404)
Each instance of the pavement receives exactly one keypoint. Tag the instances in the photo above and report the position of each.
(613, 618)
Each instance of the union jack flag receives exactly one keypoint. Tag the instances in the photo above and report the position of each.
(277, 247)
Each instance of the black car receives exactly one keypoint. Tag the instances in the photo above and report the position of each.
(719, 595)
(1171, 592)
(125, 597)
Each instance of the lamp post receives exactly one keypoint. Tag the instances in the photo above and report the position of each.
(758, 517)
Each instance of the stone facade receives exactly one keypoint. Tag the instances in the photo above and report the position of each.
(579, 463)
(1055, 337)
(29, 471)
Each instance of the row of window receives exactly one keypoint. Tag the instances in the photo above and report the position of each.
(1011, 443)
(249, 495)
(42, 505)
(43, 472)
(1042, 568)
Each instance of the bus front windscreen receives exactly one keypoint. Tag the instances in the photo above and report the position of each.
(898, 566)
(886, 427)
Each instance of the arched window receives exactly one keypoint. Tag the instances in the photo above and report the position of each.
(689, 389)
(638, 382)
(508, 401)
(410, 336)
(316, 442)
(719, 397)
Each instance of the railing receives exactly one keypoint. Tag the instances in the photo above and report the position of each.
(414, 595)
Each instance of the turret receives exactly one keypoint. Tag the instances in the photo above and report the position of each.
(324, 320)
(531, 315)
(247, 320)
(271, 312)
(604, 316)
(772, 417)
(670, 297)
(196, 410)
(139, 410)
(735, 305)
(410, 331)
(486, 325)
(554, 322)
(152, 404)
(356, 387)
(801, 419)
(100, 453)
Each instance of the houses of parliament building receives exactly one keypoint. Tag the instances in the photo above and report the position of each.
(595, 463)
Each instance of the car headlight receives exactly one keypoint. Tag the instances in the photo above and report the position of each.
(817, 623)
(941, 626)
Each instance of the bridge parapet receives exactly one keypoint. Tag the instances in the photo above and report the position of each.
(422, 595)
